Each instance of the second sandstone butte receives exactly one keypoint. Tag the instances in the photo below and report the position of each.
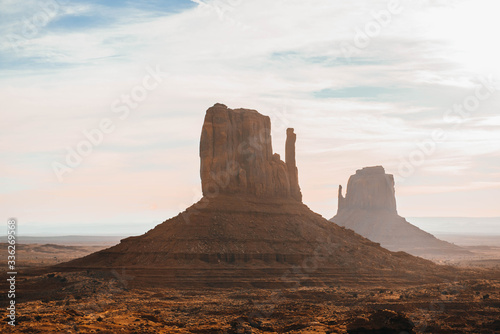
(251, 227)
(369, 208)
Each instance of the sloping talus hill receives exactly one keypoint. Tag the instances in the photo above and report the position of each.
(251, 226)
(369, 208)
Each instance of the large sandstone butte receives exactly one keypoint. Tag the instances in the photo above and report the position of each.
(237, 156)
(251, 227)
(369, 208)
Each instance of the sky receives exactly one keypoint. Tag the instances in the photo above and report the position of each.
(409, 85)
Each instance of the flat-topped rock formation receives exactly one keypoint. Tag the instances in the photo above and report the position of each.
(369, 208)
(251, 226)
(369, 189)
(237, 156)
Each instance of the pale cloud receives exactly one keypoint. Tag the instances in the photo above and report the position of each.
(285, 61)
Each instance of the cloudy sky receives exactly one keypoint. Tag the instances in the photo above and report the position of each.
(410, 85)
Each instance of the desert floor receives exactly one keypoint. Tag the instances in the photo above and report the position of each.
(90, 302)
(50, 301)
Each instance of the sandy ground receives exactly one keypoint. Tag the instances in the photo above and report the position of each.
(82, 302)
(485, 251)
(39, 255)
(92, 302)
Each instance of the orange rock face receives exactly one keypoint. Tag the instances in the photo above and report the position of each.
(250, 227)
(237, 156)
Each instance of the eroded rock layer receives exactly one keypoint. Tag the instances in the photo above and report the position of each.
(369, 208)
(237, 156)
(369, 189)
(251, 227)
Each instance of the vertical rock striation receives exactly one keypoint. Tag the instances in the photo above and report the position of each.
(369, 208)
(237, 156)
(369, 189)
(250, 228)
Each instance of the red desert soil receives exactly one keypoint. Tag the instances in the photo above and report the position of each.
(250, 257)
(99, 302)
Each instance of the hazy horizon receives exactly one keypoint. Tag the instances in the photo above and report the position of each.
(406, 85)
(477, 226)
(173, 166)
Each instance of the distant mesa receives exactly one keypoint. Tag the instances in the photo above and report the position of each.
(251, 227)
(369, 189)
(369, 208)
